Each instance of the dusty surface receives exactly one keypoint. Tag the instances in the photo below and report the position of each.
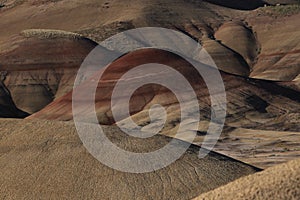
(51, 162)
(279, 182)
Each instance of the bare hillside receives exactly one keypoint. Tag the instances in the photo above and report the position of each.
(51, 162)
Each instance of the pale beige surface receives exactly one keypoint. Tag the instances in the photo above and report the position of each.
(279, 182)
(46, 159)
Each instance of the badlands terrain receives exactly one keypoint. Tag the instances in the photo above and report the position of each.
(256, 46)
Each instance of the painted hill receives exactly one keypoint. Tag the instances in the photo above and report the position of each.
(252, 104)
(252, 97)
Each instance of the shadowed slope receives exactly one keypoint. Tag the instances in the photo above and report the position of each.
(284, 2)
(250, 4)
(237, 4)
(7, 106)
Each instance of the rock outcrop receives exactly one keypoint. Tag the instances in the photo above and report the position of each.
(41, 65)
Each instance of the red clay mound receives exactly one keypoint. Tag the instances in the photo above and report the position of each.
(61, 108)
(250, 103)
